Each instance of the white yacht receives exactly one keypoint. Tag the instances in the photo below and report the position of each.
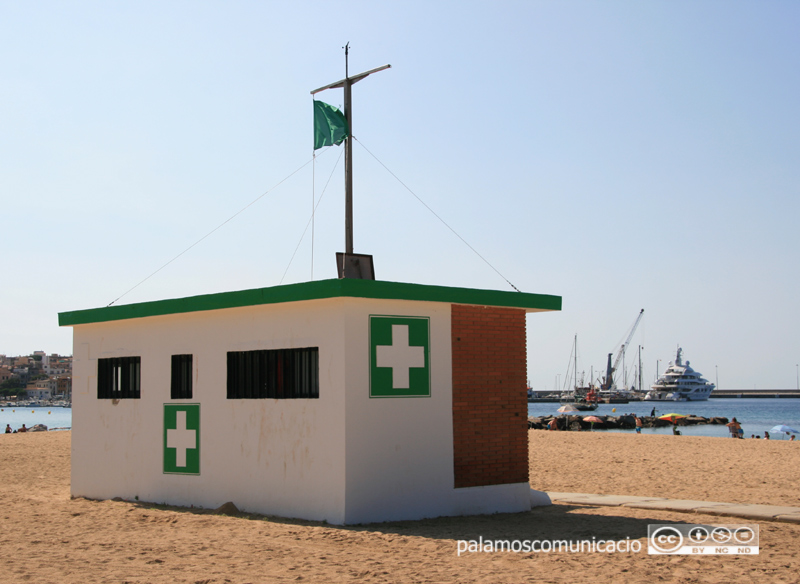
(680, 383)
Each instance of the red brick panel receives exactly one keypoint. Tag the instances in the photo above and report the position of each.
(490, 406)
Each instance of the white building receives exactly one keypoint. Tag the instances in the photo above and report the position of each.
(39, 393)
(349, 401)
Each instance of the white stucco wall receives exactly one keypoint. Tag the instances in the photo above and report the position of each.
(283, 457)
(399, 450)
(344, 458)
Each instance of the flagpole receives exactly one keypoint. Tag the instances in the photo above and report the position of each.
(348, 158)
(347, 84)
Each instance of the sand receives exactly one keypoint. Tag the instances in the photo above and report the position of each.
(45, 536)
(699, 468)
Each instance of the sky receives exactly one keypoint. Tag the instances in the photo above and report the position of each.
(621, 155)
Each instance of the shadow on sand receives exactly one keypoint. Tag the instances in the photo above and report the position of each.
(554, 522)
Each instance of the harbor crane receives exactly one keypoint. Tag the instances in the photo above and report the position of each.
(608, 381)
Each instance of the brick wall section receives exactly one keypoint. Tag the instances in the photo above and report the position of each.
(490, 405)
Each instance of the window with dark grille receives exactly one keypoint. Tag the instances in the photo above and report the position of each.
(118, 378)
(275, 374)
(181, 386)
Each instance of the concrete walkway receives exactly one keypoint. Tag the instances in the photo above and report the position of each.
(757, 512)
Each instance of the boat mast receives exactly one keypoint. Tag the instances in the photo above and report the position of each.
(576, 360)
(640, 367)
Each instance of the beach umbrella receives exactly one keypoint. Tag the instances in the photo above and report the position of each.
(592, 420)
(783, 429)
(568, 409)
(671, 417)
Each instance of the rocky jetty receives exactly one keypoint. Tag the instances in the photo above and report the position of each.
(622, 422)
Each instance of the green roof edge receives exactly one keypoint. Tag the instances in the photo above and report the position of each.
(313, 291)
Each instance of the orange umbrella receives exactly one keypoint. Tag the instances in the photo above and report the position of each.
(592, 420)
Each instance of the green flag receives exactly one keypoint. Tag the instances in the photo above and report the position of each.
(330, 125)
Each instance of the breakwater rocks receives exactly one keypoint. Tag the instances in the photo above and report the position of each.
(622, 422)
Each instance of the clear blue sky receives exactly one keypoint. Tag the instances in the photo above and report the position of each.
(623, 155)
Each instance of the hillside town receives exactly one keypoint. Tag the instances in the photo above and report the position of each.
(38, 379)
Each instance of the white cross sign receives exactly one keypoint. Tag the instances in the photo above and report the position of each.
(181, 452)
(400, 356)
(181, 439)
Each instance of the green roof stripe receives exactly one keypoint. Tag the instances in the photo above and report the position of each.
(313, 291)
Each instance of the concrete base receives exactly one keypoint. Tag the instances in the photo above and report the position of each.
(539, 499)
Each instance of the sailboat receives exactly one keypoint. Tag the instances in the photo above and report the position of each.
(582, 397)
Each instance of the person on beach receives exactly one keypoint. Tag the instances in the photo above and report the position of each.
(734, 427)
(766, 435)
(553, 425)
(675, 431)
(638, 423)
(653, 413)
(23, 429)
(792, 438)
(9, 430)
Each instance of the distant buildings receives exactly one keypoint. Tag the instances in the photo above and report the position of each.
(5, 374)
(36, 376)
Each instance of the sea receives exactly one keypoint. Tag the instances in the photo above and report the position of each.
(756, 415)
(53, 418)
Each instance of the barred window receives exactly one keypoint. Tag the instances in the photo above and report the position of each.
(118, 378)
(274, 374)
(181, 385)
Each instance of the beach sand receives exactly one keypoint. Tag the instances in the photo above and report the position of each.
(47, 537)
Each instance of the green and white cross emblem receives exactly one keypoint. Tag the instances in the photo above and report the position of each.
(182, 438)
(399, 356)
